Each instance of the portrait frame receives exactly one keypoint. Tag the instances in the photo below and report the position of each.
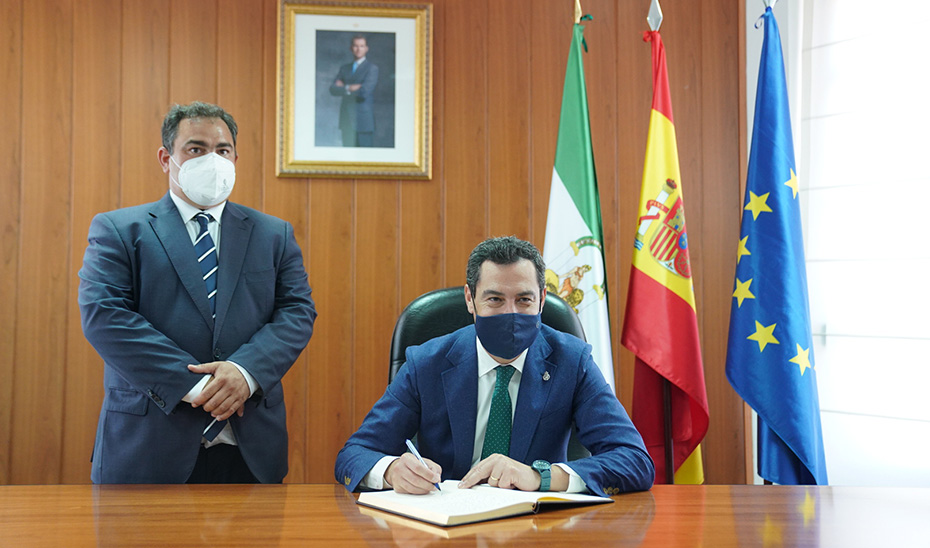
(318, 119)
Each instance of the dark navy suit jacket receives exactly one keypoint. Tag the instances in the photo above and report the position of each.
(434, 396)
(144, 308)
(356, 112)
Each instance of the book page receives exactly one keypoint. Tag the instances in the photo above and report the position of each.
(452, 504)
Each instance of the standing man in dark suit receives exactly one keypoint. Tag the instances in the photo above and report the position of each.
(495, 401)
(355, 83)
(198, 307)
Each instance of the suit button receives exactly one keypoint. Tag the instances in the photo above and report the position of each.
(217, 354)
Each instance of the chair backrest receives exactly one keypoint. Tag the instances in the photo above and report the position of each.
(443, 311)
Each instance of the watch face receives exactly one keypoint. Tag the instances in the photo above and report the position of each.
(541, 465)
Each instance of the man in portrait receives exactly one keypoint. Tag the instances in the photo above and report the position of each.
(355, 83)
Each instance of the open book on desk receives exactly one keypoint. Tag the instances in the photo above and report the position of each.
(456, 506)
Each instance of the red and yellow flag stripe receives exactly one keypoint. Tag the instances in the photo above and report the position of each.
(660, 325)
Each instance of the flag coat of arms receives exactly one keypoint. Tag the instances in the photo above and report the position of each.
(660, 325)
(573, 249)
(770, 359)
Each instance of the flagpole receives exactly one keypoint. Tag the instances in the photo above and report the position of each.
(654, 18)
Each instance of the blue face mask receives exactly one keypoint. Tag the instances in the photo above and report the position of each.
(507, 335)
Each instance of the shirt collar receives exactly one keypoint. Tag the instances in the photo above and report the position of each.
(188, 212)
(486, 363)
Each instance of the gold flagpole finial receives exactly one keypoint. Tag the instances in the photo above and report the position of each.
(577, 11)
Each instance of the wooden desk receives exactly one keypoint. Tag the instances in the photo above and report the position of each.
(326, 515)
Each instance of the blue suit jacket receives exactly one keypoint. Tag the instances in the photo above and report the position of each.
(434, 396)
(144, 308)
(357, 110)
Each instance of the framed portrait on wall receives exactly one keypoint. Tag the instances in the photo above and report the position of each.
(354, 90)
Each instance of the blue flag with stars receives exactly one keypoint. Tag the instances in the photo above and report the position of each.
(770, 359)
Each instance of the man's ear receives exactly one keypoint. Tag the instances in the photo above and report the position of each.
(163, 158)
(542, 299)
(469, 302)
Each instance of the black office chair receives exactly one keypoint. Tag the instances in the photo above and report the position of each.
(443, 311)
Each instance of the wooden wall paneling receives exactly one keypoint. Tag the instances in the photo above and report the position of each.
(465, 149)
(550, 37)
(286, 198)
(242, 48)
(11, 74)
(601, 80)
(145, 101)
(376, 282)
(42, 323)
(95, 188)
(332, 367)
(421, 214)
(193, 49)
(634, 104)
(724, 462)
(508, 100)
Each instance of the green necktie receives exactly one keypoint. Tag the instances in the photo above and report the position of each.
(500, 419)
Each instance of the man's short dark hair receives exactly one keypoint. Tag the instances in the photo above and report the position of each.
(197, 109)
(359, 37)
(503, 251)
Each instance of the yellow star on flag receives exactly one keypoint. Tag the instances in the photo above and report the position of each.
(742, 292)
(757, 204)
(802, 359)
(743, 250)
(763, 335)
(793, 183)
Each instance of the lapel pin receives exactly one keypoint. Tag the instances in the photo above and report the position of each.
(546, 376)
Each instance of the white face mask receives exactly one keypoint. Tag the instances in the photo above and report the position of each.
(207, 180)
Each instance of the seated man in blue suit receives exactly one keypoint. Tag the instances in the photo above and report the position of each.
(198, 307)
(472, 426)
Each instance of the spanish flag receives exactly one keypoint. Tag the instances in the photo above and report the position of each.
(660, 325)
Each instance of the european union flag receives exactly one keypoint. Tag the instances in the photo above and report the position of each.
(770, 359)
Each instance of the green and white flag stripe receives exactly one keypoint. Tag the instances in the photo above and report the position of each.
(573, 248)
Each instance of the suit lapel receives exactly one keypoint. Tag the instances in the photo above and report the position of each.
(236, 231)
(534, 392)
(460, 387)
(360, 72)
(169, 228)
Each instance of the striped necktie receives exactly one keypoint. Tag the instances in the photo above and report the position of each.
(206, 256)
(500, 419)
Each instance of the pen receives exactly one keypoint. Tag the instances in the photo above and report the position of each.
(419, 458)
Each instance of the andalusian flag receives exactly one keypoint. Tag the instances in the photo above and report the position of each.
(661, 322)
(573, 248)
(770, 357)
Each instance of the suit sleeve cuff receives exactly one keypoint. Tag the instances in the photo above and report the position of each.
(575, 483)
(374, 479)
(253, 386)
(196, 390)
